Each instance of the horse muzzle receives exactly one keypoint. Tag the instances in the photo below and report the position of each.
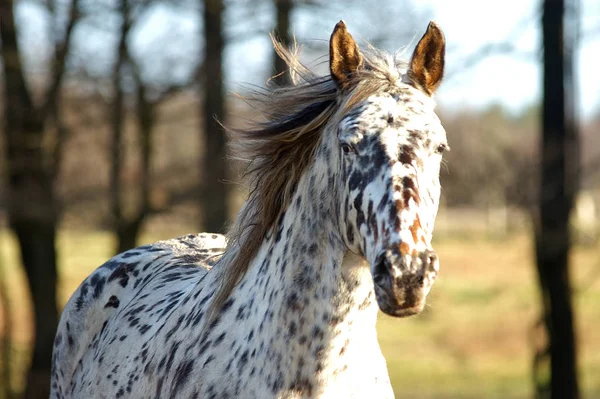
(402, 282)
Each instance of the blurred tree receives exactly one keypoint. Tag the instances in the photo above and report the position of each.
(148, 95)
(283, 11)
(559, 185)
(215, 191)
(32, 167)
(121, 224)
(128, 228)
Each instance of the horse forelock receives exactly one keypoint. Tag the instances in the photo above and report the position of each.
(279, 151)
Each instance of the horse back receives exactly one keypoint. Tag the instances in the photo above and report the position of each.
(118, 296)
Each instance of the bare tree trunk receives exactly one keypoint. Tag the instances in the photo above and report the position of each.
(38, 251)
(146, 119)
(129, 227)
(559, 184)
(283, 10)
(127, 234)
(123, 232)
(215, 191)
(32, 208)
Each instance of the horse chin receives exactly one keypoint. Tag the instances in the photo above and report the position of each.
(406, 303)
(401, 311)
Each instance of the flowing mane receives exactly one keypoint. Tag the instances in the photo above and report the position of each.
(278, 150)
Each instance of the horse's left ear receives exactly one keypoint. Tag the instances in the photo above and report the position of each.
(344, 56)
(427, 62)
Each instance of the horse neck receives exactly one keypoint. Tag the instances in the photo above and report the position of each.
(306, 296)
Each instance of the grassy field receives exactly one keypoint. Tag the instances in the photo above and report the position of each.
(474, 340)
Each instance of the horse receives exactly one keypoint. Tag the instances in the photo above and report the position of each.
(343, 194)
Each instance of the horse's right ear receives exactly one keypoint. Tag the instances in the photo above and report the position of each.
(344, 56)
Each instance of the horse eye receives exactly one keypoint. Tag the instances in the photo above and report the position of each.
(441, 148)
(347, 148)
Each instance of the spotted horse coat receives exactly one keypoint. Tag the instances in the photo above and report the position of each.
(344, 190)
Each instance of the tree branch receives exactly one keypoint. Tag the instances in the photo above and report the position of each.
(59, 60)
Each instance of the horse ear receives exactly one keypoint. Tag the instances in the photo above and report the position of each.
(344, 56)
(427, 62)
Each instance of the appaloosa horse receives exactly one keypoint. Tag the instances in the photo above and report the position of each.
(344, 190)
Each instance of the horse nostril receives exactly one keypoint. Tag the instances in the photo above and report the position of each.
(382, 265)
(430, 258)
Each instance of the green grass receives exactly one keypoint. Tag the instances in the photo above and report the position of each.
(474, 339)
